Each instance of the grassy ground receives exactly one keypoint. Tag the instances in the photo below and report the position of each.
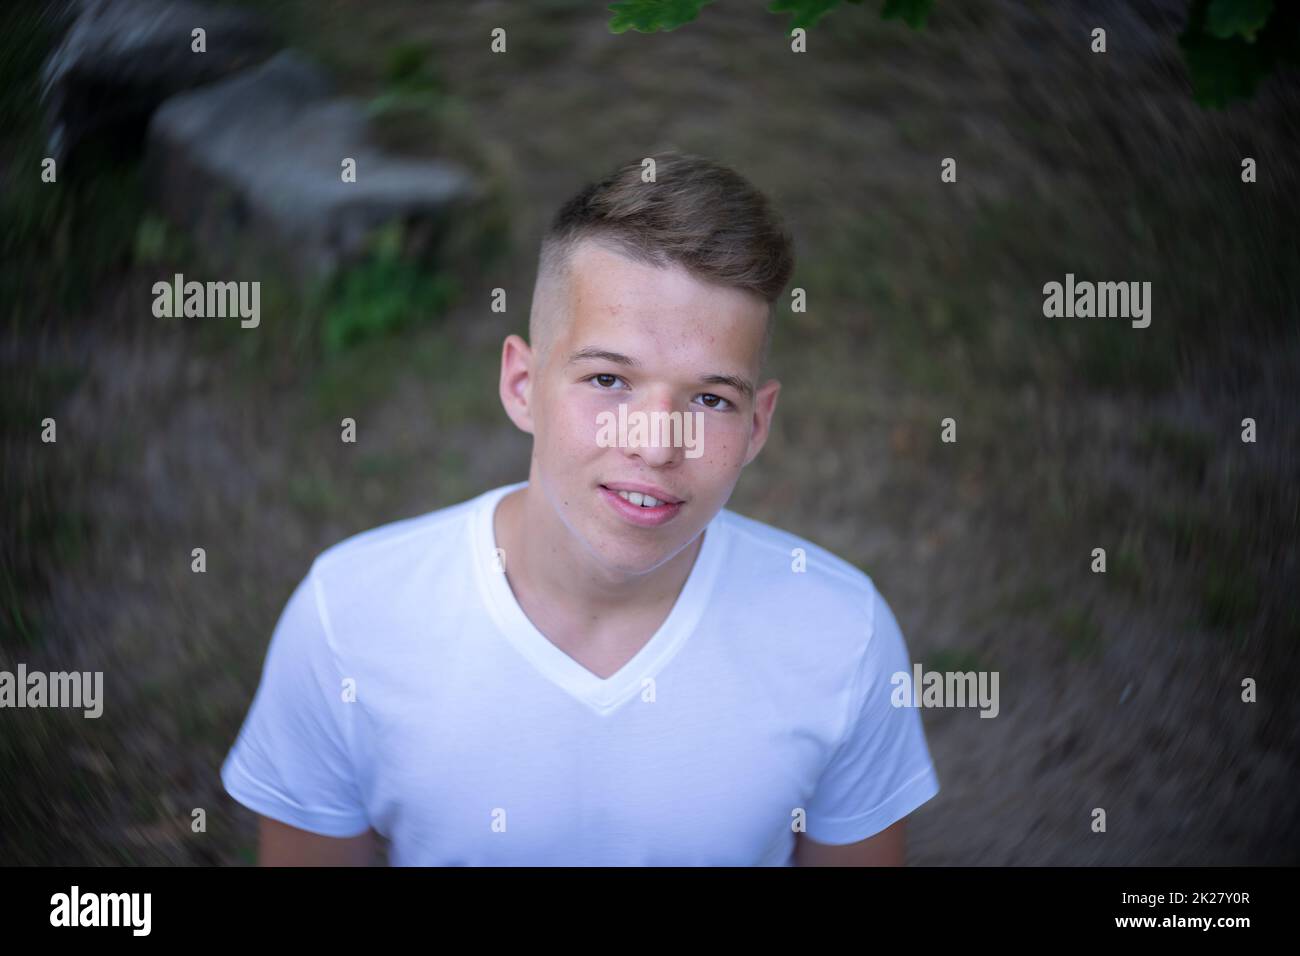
(1118, 690)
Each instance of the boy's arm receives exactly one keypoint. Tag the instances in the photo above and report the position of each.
(282, 845)
(886, 848)
(292, 761)
(881, 770)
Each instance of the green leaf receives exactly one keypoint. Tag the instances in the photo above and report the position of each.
(911, 12)
(1226, 19)
(804, 13)
(649, 16)
(1223, 70)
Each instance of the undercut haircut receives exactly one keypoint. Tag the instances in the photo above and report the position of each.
(698, 214)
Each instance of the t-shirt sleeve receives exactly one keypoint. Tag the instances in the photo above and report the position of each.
(881, 771)
(292, 759)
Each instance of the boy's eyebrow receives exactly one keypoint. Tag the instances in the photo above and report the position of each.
(739, 384)
(605, 355)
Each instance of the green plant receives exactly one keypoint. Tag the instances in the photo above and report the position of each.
(384, 293)
(1231, 45)
(411, 81)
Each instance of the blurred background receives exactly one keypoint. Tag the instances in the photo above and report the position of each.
(1119, 690)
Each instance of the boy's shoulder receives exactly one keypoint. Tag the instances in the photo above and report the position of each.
(780, 565)
(384, 551)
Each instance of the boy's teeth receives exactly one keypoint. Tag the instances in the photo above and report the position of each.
(644, 501)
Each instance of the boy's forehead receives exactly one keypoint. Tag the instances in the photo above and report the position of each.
(601, 277)
(611, 295)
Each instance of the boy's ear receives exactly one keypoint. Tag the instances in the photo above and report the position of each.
(517, 382)
(764, 409)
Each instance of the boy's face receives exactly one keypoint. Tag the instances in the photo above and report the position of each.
(657, 341)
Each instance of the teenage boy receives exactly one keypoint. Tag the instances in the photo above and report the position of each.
(600, 665)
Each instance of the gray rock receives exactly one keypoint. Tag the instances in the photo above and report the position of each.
(121, 58)
(251, 166)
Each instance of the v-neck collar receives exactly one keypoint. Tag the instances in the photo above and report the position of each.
(601, 694)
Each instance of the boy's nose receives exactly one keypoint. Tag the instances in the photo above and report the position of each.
(658, 447)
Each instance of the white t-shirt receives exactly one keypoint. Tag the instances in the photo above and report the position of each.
(406, 690)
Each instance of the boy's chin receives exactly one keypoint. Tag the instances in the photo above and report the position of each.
(623, 558)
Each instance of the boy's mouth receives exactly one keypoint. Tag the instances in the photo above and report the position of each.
(642, 505)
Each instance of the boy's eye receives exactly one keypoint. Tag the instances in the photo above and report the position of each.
(714, 401)
(604, 379)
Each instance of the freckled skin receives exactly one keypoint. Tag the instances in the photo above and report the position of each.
(678, 329)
